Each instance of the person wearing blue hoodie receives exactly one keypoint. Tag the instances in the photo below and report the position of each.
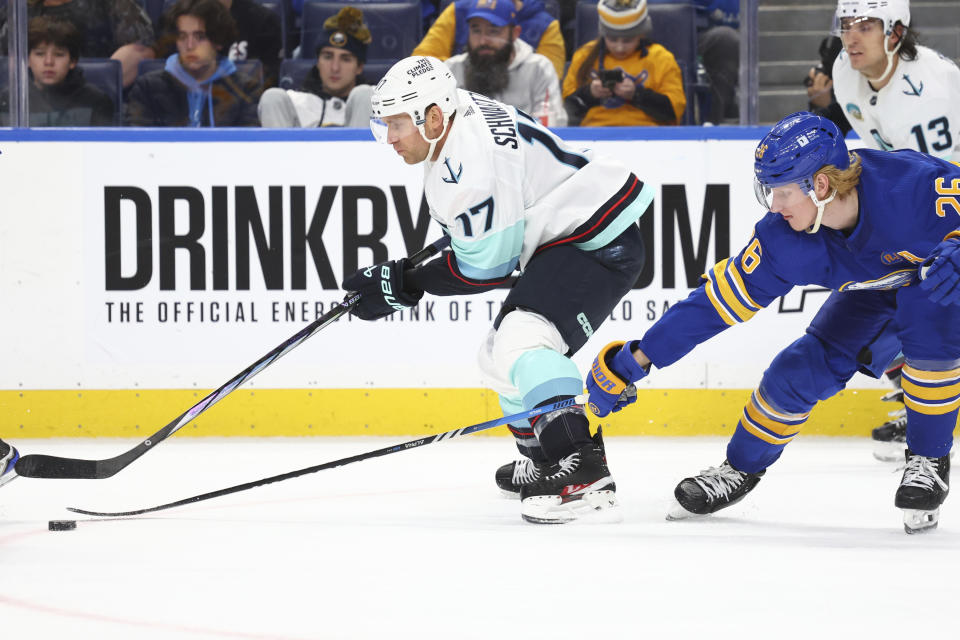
(199, 86)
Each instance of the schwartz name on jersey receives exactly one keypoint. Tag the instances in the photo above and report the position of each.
(918, 109)
(505, 187)
(882, 252)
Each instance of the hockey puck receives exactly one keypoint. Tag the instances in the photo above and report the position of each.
(62, 525)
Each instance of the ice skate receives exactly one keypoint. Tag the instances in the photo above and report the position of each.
(513, 475)
(923, 488)
(711, 490)
(8, 458)
(890, 438)
(579, 485)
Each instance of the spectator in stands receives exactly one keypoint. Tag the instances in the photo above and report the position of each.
(819, 84)
(59, 96)
(448, 35)
(259, 37)
(623, 78)
(500, 65)
(199, 86)
(118, 29)
(330, 95)
(718, 45)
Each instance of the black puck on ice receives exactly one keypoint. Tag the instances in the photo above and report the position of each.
(62, 525)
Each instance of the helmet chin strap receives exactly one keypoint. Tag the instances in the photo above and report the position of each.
(820, 206)
(433, 143)
(887, 70)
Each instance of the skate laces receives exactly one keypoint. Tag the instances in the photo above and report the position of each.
(718, 482)
(525, 471)
(920, 471)
(567, 465)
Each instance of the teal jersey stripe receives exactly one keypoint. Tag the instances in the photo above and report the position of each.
(492, 256)
(627, 217)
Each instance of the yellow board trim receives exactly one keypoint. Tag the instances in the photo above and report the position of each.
(387, 412)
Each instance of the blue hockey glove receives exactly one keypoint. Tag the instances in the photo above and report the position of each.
(940, 273)
(611, 378)
(381, 290)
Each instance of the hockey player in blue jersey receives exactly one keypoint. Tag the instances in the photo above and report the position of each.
(882, 230)
(513, 196)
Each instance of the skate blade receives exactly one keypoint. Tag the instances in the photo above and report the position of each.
(920, 521)
(8, 477)
(596, 507)
(887, 451)
(677, 512)
(510, 495)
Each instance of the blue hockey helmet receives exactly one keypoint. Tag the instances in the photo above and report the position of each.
(796, 148)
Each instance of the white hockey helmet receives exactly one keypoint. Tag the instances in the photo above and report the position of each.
(889, 11)
(411, 86)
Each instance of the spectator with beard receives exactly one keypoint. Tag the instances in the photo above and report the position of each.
(330, 95)
(59, 95)
(448, 35)
(500, 65)
(623, 78)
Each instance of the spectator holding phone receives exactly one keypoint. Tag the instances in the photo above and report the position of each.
(623, 78)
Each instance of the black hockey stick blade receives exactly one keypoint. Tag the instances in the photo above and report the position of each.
(413, 444)
(45, 466)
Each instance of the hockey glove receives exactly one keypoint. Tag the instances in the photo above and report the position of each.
(381, 290)
(611, 378)
(940, 273)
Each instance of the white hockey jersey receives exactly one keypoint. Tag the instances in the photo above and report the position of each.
(504, 186)
(918, 109)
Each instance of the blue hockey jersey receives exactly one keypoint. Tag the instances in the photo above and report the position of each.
(908, 203)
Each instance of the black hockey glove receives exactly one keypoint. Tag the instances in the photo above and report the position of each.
(381, 290)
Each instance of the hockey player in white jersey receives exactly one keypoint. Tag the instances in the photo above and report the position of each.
(513, 196)
(895, 93)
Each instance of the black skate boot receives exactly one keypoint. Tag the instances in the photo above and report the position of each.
(890, 438)
(513, 475)
(579, 484)
(711, 490)
(8, 458)
(924, 487)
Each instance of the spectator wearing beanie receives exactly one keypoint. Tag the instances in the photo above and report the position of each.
(330, 95)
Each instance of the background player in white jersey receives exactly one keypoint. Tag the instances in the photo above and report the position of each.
(512, 195)
(895, 93)
(881, 230)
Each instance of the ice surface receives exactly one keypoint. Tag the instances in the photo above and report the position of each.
(420, 544)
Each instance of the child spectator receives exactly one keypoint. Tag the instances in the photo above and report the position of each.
(118, 29)
(623, 78)
(199, 86)
(330, 95)
(59, 96)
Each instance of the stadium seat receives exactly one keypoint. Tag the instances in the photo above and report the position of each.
(106, 75)
(552, 7)
(294, 70)
(396, 27)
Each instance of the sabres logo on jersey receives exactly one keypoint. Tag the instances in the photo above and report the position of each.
(854, 111)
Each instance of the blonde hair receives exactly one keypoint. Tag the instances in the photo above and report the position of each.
(843, 180)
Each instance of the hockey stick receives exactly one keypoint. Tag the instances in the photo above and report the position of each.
(413, 444)
(44, 466)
